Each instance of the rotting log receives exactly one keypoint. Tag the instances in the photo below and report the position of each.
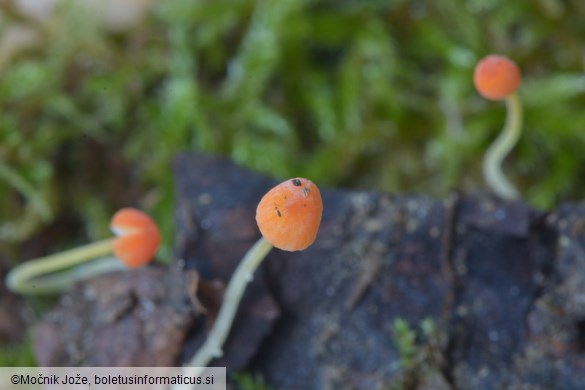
(503, 284)
(125, 319)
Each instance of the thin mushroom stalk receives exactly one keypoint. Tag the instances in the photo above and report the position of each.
(137, 242)
(45, 274)
(244, 274)
(501, 147)
(288, 217)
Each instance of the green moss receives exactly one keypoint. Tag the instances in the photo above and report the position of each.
(247, 381)
(421, 350)
(352, 93)
(18, 355)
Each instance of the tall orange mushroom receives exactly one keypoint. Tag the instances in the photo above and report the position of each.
(498, 78)
(288, 217)
(137, 241)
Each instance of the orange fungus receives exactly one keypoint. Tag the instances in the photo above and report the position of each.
(138, 237)
(496, 77)
(289, 215)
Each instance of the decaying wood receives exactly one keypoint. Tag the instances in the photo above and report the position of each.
(13, 312)
(137, 318)
(503, 284)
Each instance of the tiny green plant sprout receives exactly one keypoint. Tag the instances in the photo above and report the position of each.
(497, 78)
(288, 217)
(136, 242)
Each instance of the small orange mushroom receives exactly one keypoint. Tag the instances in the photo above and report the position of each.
(138, 237)
(496, 77)
(289, 215)
(137, 241)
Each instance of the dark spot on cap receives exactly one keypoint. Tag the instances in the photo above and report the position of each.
(279, 213)
(296, 182)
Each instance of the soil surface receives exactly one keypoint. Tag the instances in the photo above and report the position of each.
(493, 292)
(13, 314)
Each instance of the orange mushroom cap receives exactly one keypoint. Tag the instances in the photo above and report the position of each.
(496, 77)
(138, 237)
(289, 215)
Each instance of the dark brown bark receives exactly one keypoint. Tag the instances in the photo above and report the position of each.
(503, 284)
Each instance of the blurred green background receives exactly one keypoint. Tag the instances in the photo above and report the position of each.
(365, 94)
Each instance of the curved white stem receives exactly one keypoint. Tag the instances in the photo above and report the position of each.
(29, 277)
(501, 147)
(212, 348)
(58, 281)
